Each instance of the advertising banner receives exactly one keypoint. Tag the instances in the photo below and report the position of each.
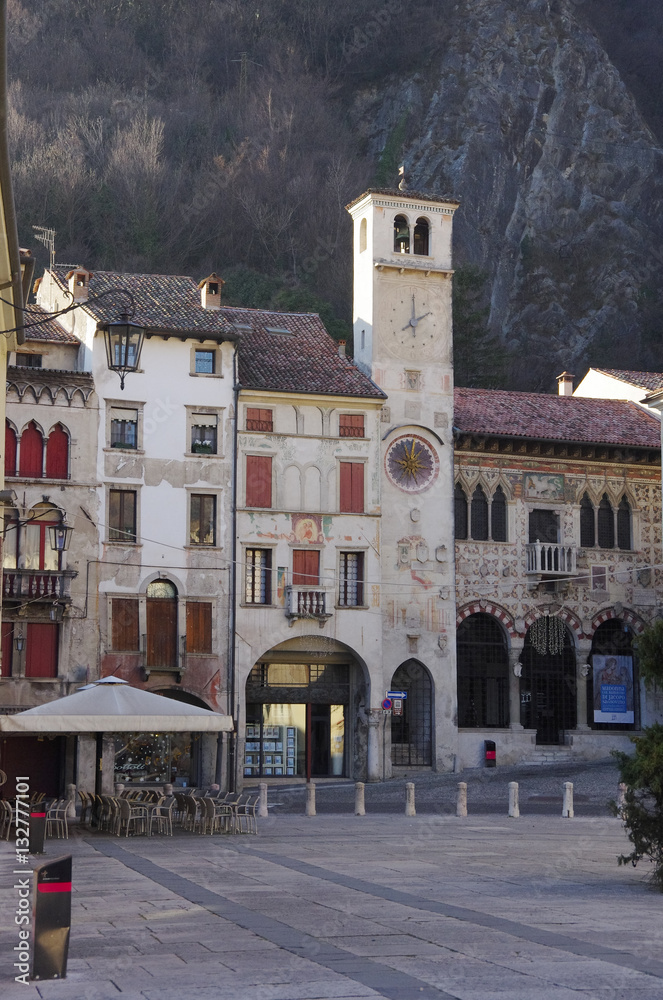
(613, 689)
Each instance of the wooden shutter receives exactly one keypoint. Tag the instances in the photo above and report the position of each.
(258, 481)
(352, 488)
(306, 568)
(124, 615)
(161, 632)
(57, 454)
(351, 425)
(258, 420)
(10, 450)
(198, 627)
(32, 452)
(41, 650)
(7, 648)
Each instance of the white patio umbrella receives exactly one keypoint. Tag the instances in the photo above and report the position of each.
(111, 705)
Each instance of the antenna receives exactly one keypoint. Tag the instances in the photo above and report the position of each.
(47, 237)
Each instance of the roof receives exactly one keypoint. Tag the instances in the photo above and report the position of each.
(651, 381)
(163, 302)
(396, 193)
(292, 352)
(49, 331)
(576, 419)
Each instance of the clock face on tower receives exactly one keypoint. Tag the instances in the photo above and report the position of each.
(413, 322)
(411, 463)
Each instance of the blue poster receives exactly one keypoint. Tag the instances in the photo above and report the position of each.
(613, 689)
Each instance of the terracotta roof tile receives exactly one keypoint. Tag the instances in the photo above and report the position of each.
(555, 418)
(301, 358)
(641, 380)
(163, 302)
(45, 332)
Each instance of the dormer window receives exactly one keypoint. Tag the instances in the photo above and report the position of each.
(422, 237)
(210, 292)
(78, 282)
(401, 235)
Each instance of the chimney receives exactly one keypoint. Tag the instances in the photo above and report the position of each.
(210, 291)
(79, 284)
(565, 384)
(341, 348)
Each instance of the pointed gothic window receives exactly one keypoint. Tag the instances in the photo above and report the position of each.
(498, 516)
(606, 524)
(587, 527)
(624, 524)
(460, 512)
(479, 515)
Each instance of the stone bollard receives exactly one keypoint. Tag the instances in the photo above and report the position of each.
(263, 810)
(461, 802)
(567, 805)
(621, 796)
(409, 799)
(168, 788)
(310, 799)
(119, 787)
(360, 807)
(514, 805)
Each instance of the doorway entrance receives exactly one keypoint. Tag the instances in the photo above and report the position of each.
(161, 614)
(548, 680)
(412, 732)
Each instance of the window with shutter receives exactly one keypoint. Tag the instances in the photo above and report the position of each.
(352, 487)
(258, 481)
(202, 525)
(460, 512)
(31, 462)
(124, 624)
(123, 428)
(305, 568)
(351, 579)
(606, 524)
(587, 523)
(479, 515)
(259, 420)
(204, 434)
(498, 516)
(41, 650)
(7, 648)
(624, 524)
(11, 448)
(122, 516)
(198, 627)
(57, 454)
(351, 425)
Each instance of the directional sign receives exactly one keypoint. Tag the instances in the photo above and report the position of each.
(396, 694)
(386, 704)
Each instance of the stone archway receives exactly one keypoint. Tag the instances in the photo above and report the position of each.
(412, 731)
(548, 680)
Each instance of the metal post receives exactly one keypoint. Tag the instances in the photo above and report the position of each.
(567, 806)
(461, 802)
(310, 798)
(360, 807)
(514, 805)
(409, 799)
(262, 804)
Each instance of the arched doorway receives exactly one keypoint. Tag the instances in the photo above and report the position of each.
(612, 690)
(305, 700)
(161, 647)
(548, 680)
(483, 673)
(412, 732)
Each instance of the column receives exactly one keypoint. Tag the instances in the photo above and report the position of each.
(582, 652)
(373, 758)
(514, 684)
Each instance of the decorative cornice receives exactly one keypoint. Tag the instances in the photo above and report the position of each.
(51, 382)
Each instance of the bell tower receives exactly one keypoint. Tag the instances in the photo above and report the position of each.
(403, 340)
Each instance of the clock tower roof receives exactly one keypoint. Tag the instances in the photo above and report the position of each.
(405, 195)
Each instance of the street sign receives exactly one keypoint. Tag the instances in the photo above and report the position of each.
(396, 694)
(398, 706)
(386, 704)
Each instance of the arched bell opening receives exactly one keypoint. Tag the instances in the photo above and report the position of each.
(401, 234)
(422, 237)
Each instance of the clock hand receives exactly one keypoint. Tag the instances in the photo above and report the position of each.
(422, 317)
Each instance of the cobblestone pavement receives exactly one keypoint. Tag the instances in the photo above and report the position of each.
(338, 906)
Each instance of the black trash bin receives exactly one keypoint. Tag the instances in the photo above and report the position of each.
(37, 828)
(491, 753)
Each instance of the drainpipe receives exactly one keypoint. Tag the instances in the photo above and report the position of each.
(232, 742)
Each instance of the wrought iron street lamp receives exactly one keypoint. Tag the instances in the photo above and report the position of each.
(124, 342)
(60, 536)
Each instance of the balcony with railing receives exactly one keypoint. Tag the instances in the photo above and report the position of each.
(36, 585)
(307, 602)
(551, 559)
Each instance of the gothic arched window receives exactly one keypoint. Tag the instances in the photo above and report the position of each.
(479, 515)
(606, 524)
(624, 540)
(498, 516)
(587, 526)
(460, 512)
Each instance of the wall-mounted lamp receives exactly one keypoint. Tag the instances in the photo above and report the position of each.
(59, 535)
(19, 642)
(124, 342)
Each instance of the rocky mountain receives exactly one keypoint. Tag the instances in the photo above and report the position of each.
(179, 137)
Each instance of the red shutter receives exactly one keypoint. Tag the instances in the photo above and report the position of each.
(10, 450)
(258, 481)
(57, 454)
(351, 425)
(258, 420)
(32, 450)
(7, 648)
(41, 650)
(198, 627)
(124, 614)
(352, 488)
(305, 568)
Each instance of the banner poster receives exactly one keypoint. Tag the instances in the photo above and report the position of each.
(613, 689)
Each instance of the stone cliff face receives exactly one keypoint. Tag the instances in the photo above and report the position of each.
(527, 122)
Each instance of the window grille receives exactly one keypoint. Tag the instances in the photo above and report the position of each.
(498, 516)
(606, 524)
(258, 576)
(351, 583)
(479, 515)
(483, 673)
(587, 526)
(411, 732)
(460, 512)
